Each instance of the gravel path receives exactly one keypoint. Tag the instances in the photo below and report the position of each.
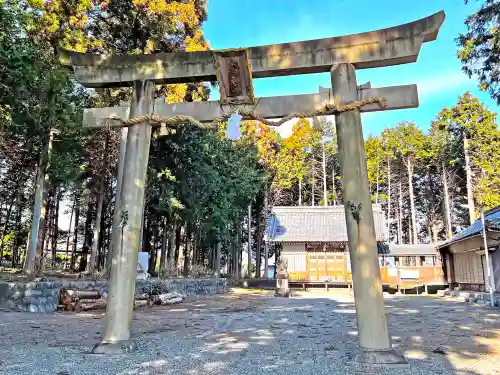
(310, 333)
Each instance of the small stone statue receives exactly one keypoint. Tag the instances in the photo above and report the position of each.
(282, 275)
(282, 269)
(141, 273)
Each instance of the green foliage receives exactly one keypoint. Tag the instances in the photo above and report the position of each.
(375, 158)
(211, 179)
(409, 142)
(471, 120)
(36, 95)
(479, 47)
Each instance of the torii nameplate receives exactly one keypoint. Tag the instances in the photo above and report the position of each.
(391, 46)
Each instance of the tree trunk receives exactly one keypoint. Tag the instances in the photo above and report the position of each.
(55, 230)
(48, 228)
(195, 249)
(100, 204)
(412, 203)
(116, 232)
(163, 252)
(1, 212)
(410, 237)
(259, 244)
(217, 256)
(400, 212)
(69, 229)
(470, 189)
(334, 190)
(312, 186)
(4, 230)
(39, 207)
(389, 196)
(171, 247)
(325, 191)
(447, 211)
(97, 228)
(249, 243)
(103, 236)
(14, 198)
(42, 232)
(235, 255)
(434, 234)
(178, 242)
(241, 269)
(18, 240)
(266, 243)
(378, 183)
(187, 249)
(300, 192)
(75, 232)
(87, 242)
(152, 249)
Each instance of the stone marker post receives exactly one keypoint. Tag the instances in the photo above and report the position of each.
(121, 288)
(373, 333)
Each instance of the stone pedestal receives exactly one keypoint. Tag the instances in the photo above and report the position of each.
(282, 288)
(379, 357)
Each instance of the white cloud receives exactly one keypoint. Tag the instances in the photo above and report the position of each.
(445, 82)
(442, 83)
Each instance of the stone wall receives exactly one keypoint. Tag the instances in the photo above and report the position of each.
(481, 298)
(43, 296)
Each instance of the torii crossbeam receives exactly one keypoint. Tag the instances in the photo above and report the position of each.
(234, 70)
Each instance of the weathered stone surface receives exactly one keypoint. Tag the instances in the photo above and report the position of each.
(33, 292)
(43, 296)
(170, 298)
(397, 97)
(480, 298)
(391, 46)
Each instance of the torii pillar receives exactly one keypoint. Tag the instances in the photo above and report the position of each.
(338, 55)
(373, 332)
(122, 278)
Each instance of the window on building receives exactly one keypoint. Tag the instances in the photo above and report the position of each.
(387, 261)
(408, 261)
(428, 260)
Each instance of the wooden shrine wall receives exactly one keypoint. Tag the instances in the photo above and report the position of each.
(334, 266)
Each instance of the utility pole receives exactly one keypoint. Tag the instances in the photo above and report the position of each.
(490, 282)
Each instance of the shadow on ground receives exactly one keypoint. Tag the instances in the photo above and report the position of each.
(256, 333)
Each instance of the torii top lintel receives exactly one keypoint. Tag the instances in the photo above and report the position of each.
(391, 46)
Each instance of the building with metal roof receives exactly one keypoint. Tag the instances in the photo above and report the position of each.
(313, 240)
(295, 224)
(465, 256)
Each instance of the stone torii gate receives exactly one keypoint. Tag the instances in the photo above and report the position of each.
(234, 70)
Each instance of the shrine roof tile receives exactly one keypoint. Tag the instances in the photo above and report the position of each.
(316, 224)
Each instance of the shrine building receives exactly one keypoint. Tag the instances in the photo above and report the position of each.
(313, 241)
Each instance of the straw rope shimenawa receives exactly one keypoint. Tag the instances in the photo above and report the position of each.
(327, 110)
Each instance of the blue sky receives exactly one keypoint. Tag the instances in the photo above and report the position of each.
(437, 72)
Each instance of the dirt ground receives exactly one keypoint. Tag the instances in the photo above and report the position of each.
(311, 333)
